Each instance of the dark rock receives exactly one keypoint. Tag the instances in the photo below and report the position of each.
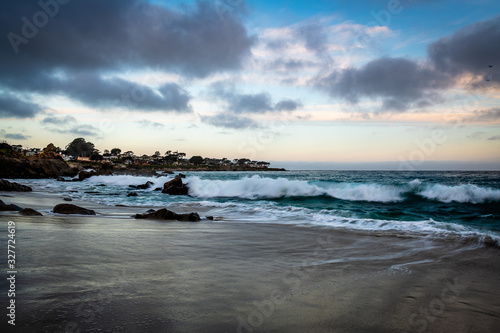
(145, 186)
(72, 209)
(9, 207)
(102, 185)
(149, 211)
(30, 212)
(92, 192)
(165, 214)
(181, 175)
(84, 174)
(157, 189)
(67, 199)
(211, 218)
(175, 187)
(132, 194)
(5, 185)
(23, 167)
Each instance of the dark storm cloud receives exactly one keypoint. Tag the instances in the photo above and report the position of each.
(227, 120)
(469, 50)
(400, 83)
(12, 106)
(56, 55)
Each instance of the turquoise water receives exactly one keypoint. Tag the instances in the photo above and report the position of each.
(437, 203)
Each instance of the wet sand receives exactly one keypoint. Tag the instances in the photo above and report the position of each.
(110, 273)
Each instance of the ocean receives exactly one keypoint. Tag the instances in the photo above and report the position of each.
(457, 205)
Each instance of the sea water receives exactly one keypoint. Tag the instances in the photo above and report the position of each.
(428, 204)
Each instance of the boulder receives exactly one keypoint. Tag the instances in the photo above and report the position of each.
(132, 194)
(84, 174)
(175, 187)
(9, 207)
(165, 214)
(181, 175)
(30, 212)
(72, 209)
(5, 185)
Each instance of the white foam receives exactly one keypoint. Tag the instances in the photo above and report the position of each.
(460, 193)
(257, 187)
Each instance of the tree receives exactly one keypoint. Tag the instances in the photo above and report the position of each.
(156, 154)
(116, 151)
(196, 160)
(96, 156)
(79, 147)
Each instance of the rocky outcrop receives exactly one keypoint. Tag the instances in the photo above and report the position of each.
(165, 214)
(5, 185)
(175, 187)
(30, 212)
(21, 167)
(8, 207)
(72, 209)
(132, 194)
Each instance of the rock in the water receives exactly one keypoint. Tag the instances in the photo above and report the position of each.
(67, 199)
(5, 185)
(165, 214)
(175, 187)
(211, 218)
(132, 194)
(9, 207)
(145, 186)
(30, 212)
(181, 175)
(72, 209)
(87, 174)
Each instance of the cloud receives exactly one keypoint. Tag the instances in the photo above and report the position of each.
(288, 105)
(78, 130)
(227, 120)
(54, 120)
(399, 83)
(150, 124)
(79, 52)
(237, 102)
(109, 34)
(16, 136)
(487, 115)
(12, 106)
(495, 137)
(469, 50)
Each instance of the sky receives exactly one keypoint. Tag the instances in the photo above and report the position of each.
(400, 85)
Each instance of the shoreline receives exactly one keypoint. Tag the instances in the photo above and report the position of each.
(114, 273)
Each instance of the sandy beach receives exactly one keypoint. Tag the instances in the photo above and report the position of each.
(112, 273)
